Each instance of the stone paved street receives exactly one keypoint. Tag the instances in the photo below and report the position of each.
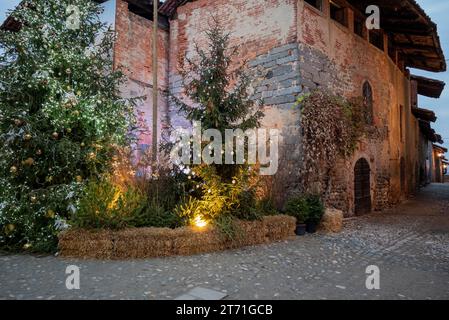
(410, 245)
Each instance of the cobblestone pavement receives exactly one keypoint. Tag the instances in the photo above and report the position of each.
(410, 245)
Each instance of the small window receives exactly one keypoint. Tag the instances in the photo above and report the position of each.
(338, 13)
(376, 38)
(359, 27)
(368, 102)
(316, 3)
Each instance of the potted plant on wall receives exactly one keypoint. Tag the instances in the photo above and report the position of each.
(315, 211)
(297, 207)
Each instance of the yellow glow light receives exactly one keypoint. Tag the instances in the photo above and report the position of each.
(199, 222)
(113, 203)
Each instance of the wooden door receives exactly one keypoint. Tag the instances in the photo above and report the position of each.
(362, 187)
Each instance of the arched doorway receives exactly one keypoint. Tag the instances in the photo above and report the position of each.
(362, 187)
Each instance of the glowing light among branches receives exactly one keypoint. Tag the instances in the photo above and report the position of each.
(199, 222)
(113, 203)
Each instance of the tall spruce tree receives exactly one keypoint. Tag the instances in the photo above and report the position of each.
(218, 97)
(60, 115)
(219, 92)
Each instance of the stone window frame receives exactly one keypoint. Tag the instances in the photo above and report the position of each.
(359, 18)
(346, 21)
(377, 35)
(320, 9)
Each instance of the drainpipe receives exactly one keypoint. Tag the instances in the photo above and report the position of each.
(155, 87)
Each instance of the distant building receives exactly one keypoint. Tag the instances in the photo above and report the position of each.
(439, 169)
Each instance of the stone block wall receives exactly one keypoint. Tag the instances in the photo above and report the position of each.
(276, 77)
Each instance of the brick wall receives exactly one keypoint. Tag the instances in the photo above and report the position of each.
(256, 27)
(133, 54)
(265, 34)
(290, 48)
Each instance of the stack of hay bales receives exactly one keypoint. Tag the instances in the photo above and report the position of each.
(98, 244)
(137, 243)
(332, 221)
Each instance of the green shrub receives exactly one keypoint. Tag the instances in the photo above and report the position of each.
(104, 205)
(297, 207)
(113, 203)
(266, 207)
(229, 230)
(315, 208)
(212, 195)
(305, 208)
(153, 214)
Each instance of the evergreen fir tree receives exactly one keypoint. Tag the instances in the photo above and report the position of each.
(218, 98)
(60, 116)
(220, 94)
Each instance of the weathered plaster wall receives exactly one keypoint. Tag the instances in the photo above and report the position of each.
(344, 62)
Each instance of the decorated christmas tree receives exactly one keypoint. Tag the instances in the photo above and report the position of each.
(218, 97)
(220, 92)
(60, 116)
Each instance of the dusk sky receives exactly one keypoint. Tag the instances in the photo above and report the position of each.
(438, 10)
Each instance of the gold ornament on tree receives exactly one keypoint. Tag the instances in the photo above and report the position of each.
(10, 227)
(50, 214)
(28, 162)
